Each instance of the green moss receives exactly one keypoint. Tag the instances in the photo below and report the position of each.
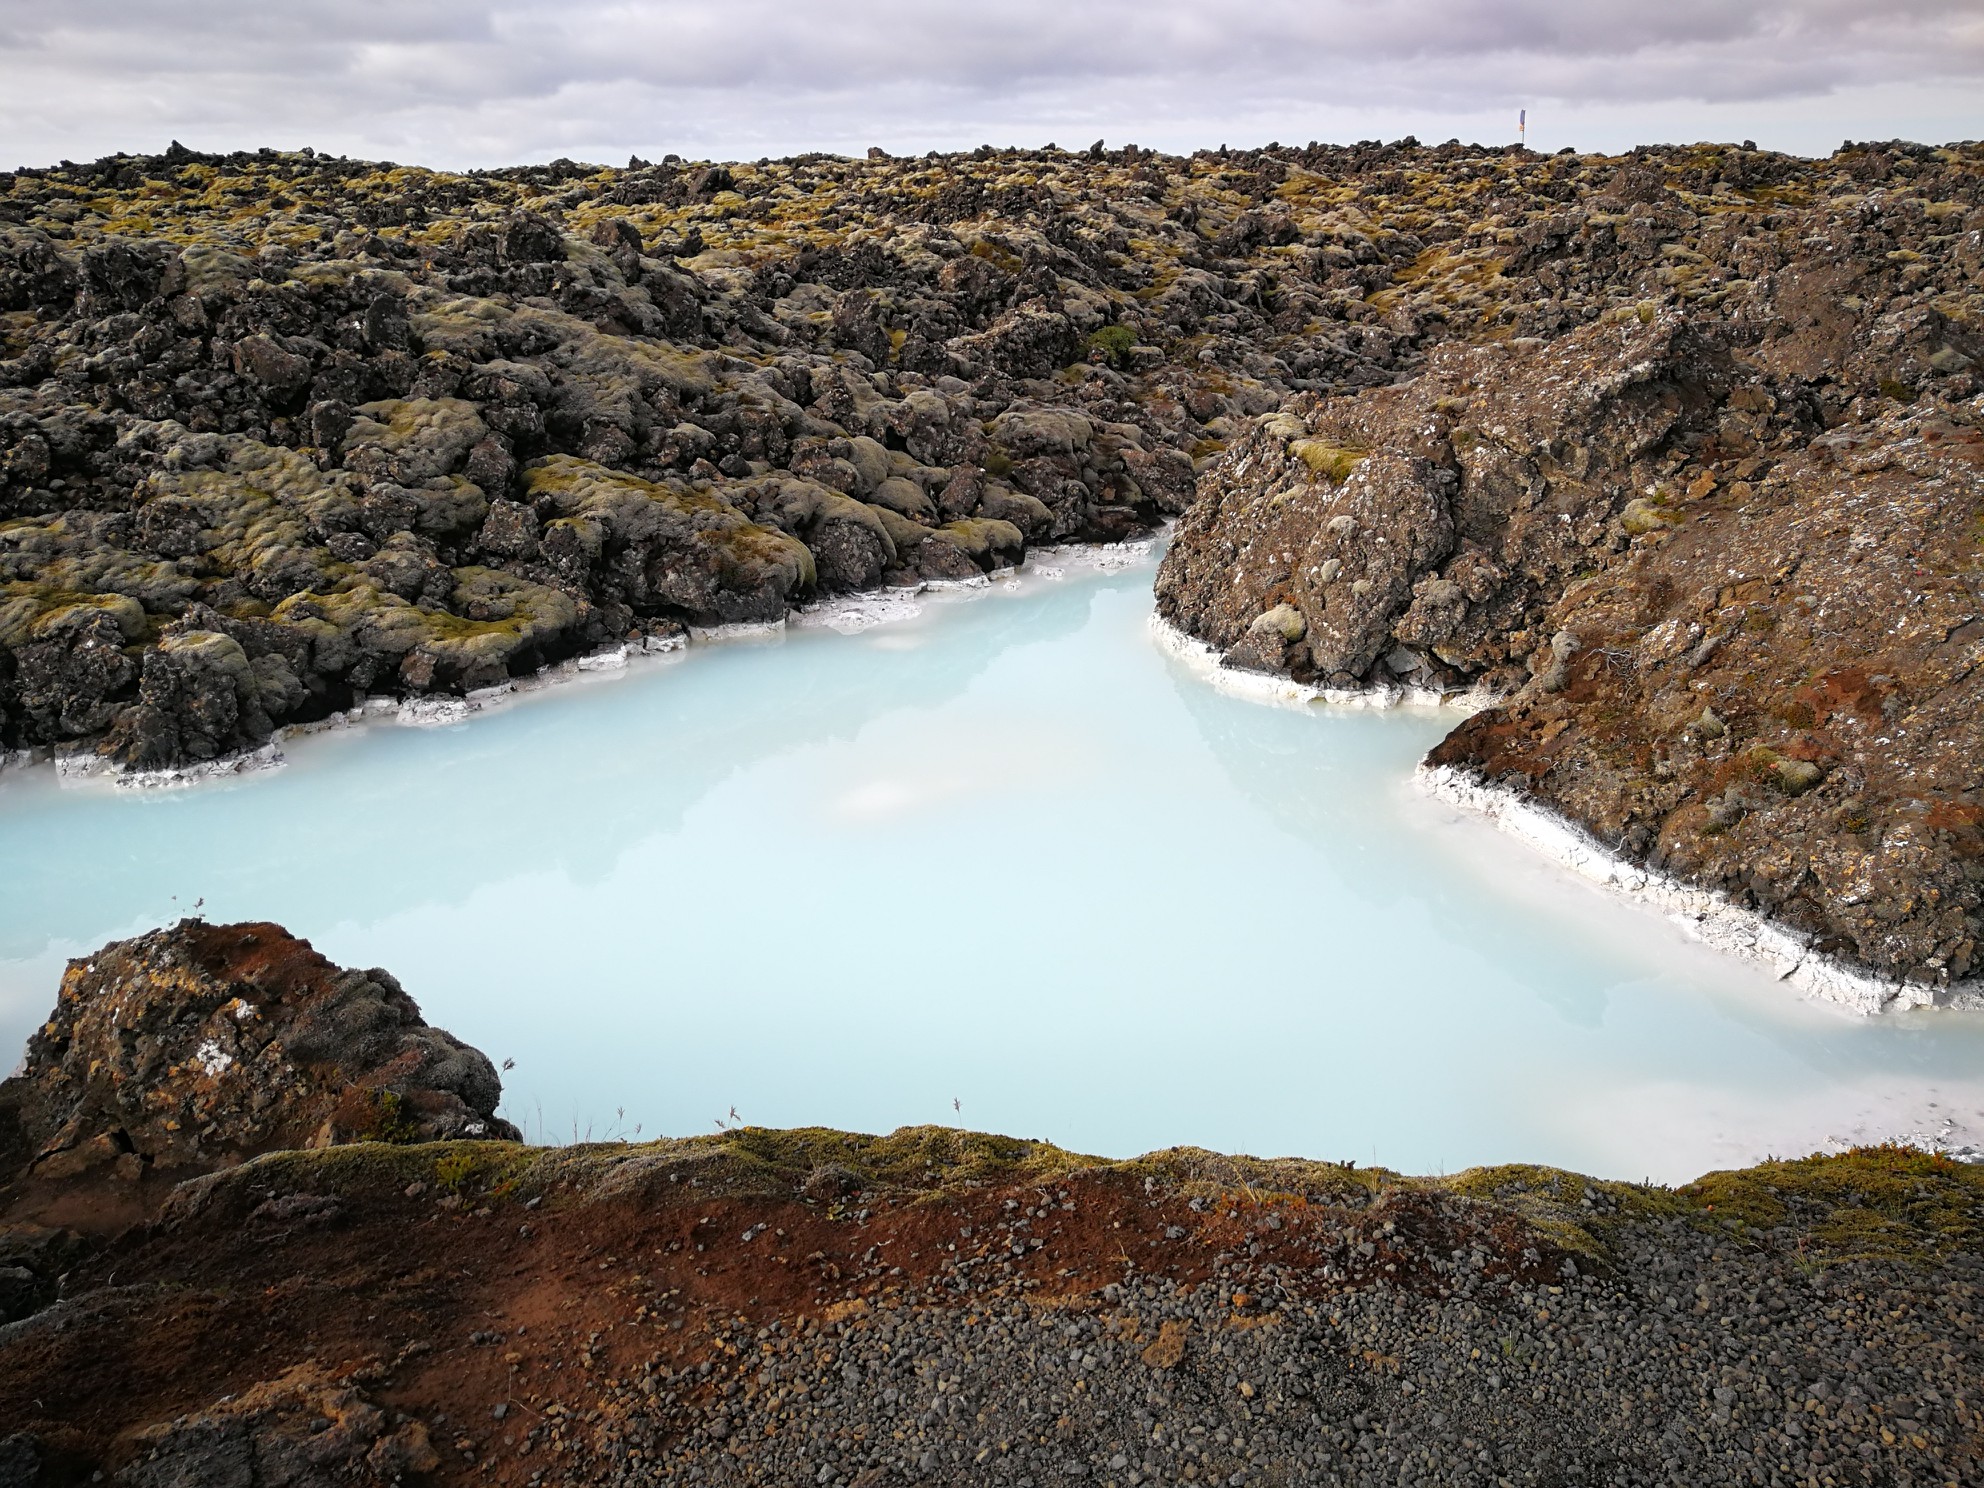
(1262, 1181)
(455, 1170)
(1331, 461)
(30, 611)
(1885, 1203)
(994, 254)
(1114, 342)
(1642, 516)
(909, 1157)
(381, 1168)
(392, 1121)
(581, 487)
(1554, 1202)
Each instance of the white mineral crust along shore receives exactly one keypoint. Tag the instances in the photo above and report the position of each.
(1707, 915)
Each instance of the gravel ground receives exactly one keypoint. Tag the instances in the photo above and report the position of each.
(1394, 1346)
(936, 1307)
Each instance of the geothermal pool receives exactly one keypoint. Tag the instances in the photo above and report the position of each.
(997, 862)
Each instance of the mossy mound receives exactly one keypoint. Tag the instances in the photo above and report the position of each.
(1882, 1203)
(1876, 1204)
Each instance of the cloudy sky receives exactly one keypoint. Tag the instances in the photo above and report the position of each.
(453, 83)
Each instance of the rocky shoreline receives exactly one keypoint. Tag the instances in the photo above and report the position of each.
(252, 472)
(1279, 691)
(1711, 542)
(1706, 915)
(848, 613)
(232, 1252)
(1677, 453)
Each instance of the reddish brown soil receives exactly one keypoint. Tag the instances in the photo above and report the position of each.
(445, 1312)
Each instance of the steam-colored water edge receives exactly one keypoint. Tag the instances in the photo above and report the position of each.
(987, 858)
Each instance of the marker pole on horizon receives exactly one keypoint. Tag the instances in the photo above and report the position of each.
(1522, 127)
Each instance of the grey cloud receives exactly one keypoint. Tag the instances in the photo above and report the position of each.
(456, 83)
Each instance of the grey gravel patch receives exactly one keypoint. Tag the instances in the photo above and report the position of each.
(1695, 1361)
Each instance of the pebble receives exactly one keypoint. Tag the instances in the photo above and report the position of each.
(1690, 1360)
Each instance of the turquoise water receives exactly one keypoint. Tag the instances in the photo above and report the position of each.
(999, 864)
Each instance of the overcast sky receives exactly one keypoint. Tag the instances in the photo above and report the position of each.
(451, 83)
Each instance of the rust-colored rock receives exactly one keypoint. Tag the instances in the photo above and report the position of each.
(194, 1047)
(1783, 697)
(1167, 1350)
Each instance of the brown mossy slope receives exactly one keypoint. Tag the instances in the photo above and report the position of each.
(738, 1305)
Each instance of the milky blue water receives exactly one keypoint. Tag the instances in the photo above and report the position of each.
(1001, 864)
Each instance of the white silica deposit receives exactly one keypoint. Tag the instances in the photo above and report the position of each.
(1709, 916)
(982, 856)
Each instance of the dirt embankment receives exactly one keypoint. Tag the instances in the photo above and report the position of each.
(943, 1306)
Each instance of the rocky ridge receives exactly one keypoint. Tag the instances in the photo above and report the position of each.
(940, 1306)
(279, 431)
(1719, 552)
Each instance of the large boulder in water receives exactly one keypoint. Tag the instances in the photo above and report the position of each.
(198, 1046)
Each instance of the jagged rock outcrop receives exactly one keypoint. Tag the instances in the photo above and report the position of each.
(195, 1047)
(1420, 531)
(1778, 691)
(1707, 521)
(1738, 628)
